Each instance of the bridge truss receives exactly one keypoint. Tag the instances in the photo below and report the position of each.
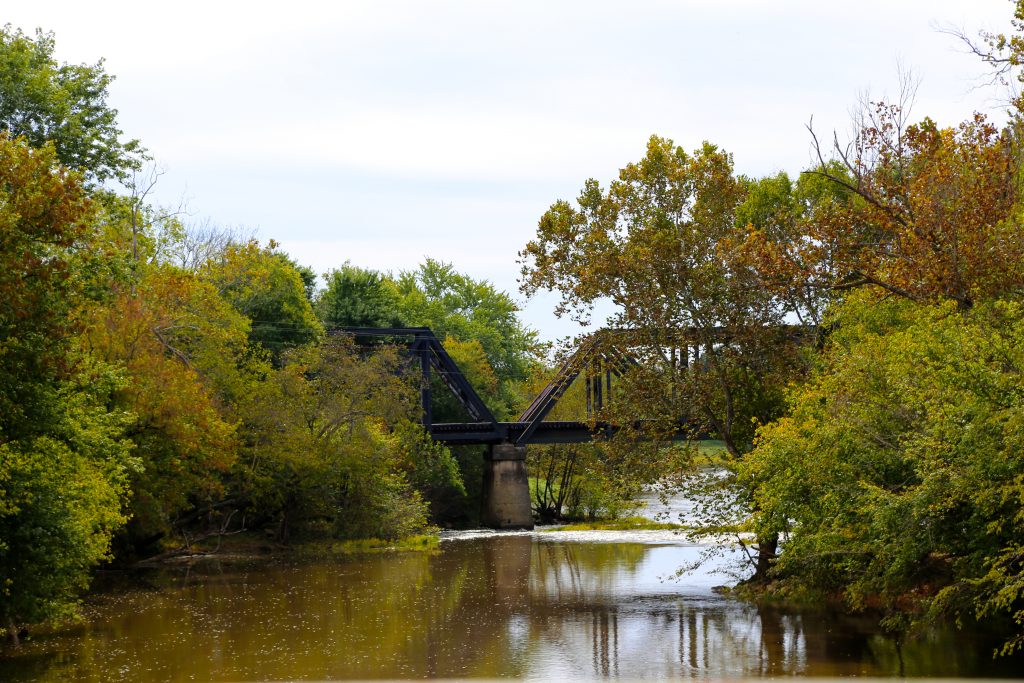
(600, 363)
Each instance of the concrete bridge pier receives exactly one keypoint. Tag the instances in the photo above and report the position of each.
(506, 494)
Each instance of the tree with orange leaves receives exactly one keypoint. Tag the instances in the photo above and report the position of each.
(924, 213)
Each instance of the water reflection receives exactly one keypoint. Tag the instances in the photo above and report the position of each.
(532, 606)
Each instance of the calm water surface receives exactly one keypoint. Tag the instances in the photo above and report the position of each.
(540, 605)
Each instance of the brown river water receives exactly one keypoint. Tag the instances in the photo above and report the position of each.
(537, 605)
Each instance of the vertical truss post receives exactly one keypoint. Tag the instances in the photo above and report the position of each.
(608, 382)
(590, 395)
(675, 358)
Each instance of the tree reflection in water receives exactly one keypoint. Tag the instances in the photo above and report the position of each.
(508, 605)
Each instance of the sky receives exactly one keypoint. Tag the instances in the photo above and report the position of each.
(384, 132)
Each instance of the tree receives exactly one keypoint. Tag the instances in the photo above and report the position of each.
(356, 297)
(928, 214)
(44, 218)
(264, 285)
(64, 104)
(458, 308)
(658, 244)
(61, 495)
(63, 459)
(182, 348)
(897, 473)
(772, 239)
(330, 436)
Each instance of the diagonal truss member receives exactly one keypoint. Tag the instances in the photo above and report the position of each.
(600, 360)
(424, 345)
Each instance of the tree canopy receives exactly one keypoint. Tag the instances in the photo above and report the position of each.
(64, 105)
(266, 287)
(659, 245)
(455, 305)
(926, 213)
(356, 297)
(64, 459)
(44, 217)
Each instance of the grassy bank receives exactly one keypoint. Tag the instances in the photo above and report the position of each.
(322, 549)
(253, 545)
(621, 524)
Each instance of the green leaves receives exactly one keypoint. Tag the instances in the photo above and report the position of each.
(898, 470)
(355, 297)
(61, 496)
(321, 450)
(266, 287)
(64, 105)
(461, 311)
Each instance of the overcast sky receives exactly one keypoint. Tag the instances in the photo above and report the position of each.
(383, 132)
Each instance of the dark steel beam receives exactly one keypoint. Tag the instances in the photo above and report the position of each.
(456, 382)
(466, 433)
(424, 345)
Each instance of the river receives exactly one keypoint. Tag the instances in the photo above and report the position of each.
(484, 604)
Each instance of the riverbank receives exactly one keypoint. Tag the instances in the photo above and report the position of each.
(253, 546)
(620, 524)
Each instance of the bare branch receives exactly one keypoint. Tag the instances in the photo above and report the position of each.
(205, 241)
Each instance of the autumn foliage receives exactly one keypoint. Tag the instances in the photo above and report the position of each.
(921, 212)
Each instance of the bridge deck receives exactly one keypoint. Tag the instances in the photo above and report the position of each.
(509, 432)
(456, 433)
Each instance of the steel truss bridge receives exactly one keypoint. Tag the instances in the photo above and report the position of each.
(505, 493)
(599, 362)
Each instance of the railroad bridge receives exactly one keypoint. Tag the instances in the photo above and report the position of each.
(506, 492)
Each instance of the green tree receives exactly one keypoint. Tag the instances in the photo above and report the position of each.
(458, 308)
(356, 297)
(330, 436)
(265, 286)
(309, 278)
(64, 104)
(897, 474)
(63, 461)
(61, 495)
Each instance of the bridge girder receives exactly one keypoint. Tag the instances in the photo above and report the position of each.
(602, 356)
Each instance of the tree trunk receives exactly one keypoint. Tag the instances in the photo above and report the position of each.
(767, 551)
(12, 634)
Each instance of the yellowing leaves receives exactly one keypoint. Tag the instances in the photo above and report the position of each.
(176, 339)
(922, 212)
